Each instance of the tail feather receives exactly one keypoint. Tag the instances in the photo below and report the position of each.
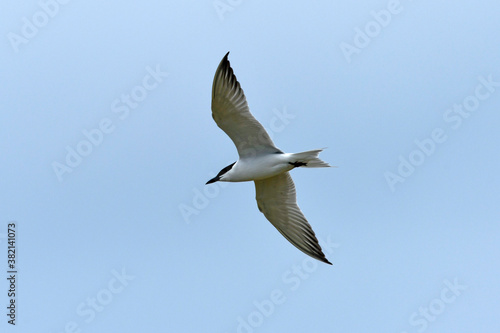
(309, 159)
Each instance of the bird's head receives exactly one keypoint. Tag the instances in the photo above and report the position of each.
(220, 175)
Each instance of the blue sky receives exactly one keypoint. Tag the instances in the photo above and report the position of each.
(107, 141)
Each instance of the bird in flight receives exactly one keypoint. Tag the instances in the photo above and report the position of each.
(260, 161)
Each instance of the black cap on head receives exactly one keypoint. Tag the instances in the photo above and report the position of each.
(223, 171)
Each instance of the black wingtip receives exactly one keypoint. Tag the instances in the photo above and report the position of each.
(224, 63)
(323, 259)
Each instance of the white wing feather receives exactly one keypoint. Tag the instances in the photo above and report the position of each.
(276, 198)
(231, 113)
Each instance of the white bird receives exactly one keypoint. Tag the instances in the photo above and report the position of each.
(260, 161)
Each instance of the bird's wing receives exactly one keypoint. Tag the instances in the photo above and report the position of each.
(276, 198)
(231, 113)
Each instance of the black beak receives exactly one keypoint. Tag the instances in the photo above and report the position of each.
(213, 180)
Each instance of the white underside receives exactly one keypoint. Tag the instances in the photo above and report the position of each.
(260, 167)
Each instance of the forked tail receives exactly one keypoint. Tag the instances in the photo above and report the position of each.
(309, 159)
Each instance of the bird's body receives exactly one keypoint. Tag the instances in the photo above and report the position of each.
(259, 167)
(260, 161)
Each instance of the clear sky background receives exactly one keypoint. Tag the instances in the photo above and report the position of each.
(107, 140)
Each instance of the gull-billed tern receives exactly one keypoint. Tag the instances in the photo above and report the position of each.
(260, 161)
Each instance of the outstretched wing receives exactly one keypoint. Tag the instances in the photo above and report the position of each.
(231, 113)
(276, 198)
